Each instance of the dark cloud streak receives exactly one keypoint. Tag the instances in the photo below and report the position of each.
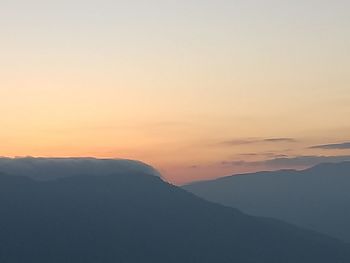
(289, 162)
(280, 140)
(336, 146)
(254, 141)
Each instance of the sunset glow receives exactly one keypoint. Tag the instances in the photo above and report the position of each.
(198, 89)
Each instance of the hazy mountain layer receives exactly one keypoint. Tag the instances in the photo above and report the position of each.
(136, 218)
(316, 198)
(52, 168)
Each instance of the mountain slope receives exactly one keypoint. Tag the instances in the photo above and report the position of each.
(316, 198)
(139, 218)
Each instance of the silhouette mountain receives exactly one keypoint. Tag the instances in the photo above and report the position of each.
(317, 198)
(134, 218)
(52, 168)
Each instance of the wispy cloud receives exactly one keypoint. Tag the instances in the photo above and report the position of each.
(304, 161)
(263, 154)
(238, 142)
(280, 140)
(257, 140)
(336, 146)
(288, 162)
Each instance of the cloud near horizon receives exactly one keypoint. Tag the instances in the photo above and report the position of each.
(288, 162)
(335, 146)
(259, 140)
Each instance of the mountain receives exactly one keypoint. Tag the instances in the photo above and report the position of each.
(317, 198)
(52, 168)
(137, 218)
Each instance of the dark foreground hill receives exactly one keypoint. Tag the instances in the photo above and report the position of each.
(137, 218)
(316, 198)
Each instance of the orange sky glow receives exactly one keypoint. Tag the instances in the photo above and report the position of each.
(198, 90)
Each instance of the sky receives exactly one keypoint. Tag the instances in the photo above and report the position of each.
(198, 89)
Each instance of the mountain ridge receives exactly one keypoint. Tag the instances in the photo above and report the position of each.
(140, 218)
(315, 198)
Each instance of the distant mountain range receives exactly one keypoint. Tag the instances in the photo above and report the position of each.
(132, 217)
(317, 198)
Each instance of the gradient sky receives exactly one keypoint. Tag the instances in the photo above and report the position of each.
(199, 89)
